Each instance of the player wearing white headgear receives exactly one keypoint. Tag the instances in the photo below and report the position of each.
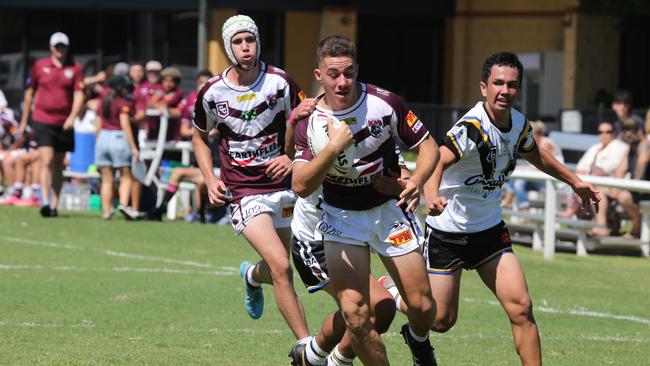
(249, 104)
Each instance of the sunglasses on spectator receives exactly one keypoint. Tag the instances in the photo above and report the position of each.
(605, 131)
(60, 47)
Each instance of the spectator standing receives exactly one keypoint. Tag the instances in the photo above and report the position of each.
(171, 97)
(115, 144)
(56, 89)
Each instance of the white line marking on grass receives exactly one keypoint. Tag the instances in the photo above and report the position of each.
(223, 271)
(576, 311)
(107, 252)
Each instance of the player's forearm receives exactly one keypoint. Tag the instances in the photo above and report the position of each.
(428, 156)
(289, 142)
(544, 161)
(203, 155)
(307, 177)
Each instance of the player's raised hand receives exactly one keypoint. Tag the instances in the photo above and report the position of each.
(279, 167)
(216, 191)
(303, 109)
(409, 195)
(341, 137)
(436, 206)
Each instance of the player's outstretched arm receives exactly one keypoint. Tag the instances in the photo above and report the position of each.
(543, 160)
(308, 176)
(428, 155)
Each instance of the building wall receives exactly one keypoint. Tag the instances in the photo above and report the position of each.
(480, 28)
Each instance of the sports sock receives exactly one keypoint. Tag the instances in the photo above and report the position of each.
(416, 337)
(315, 355)
(249, 277)
(397, 297)
(18, 189)
(337, 359)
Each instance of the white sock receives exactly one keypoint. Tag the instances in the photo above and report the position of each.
(397, 297)
(417, 337)
(337, 359)
(305, 340)
(249, 277)
(315, 355)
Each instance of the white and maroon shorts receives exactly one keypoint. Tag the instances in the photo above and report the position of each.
(387, 229)
(278, 204)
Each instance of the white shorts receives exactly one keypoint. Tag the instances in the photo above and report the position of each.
(387, 229)
(278, 204)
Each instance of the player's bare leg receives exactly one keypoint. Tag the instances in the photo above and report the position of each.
(46, 155)
(275, 269)
(349, 270)
(506, 279)
(106, 191)
(446, 291)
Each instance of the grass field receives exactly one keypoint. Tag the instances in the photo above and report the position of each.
(81, 291)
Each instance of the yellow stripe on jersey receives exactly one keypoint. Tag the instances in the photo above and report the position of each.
(453, 141)
(527, 129)
(477, 123)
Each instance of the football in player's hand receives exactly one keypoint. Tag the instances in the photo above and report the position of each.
(318, 137)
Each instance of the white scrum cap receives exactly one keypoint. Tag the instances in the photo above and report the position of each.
(238, 24)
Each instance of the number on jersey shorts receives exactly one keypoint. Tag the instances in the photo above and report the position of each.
(389, 230)
(278, 204)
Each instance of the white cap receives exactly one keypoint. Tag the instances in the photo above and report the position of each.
(121, 68)
(153, 65)
(59, 37)
(238, 24)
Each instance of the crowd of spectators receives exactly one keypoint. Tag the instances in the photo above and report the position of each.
(119, 102)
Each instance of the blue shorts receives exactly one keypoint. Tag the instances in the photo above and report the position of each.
(112, 149)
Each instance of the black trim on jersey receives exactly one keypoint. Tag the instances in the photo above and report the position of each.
(446, 141)
(484, 147)
(521, 138)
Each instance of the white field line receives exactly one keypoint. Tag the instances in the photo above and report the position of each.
(106, 252)
(576, 311)
(221, 271)
(266, 332)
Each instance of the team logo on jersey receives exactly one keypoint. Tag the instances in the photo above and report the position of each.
(68, 73)
(246, 97)
(271, 101)
(375, 127)
(222, 109)
(492, 154)
(411, 118)
(46, 70)
(287, 211)
(301, 95)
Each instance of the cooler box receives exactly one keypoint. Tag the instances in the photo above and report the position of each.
(84, 152)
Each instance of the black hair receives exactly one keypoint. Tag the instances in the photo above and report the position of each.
(623, 96)
(119, 86)
(502, 59)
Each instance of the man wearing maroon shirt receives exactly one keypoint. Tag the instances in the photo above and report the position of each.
(56, 89)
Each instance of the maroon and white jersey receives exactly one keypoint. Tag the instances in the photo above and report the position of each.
(376, 120)
(252, 122)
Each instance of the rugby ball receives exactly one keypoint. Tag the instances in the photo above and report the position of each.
(318, 137)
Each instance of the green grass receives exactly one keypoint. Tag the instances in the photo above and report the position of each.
(81, 291)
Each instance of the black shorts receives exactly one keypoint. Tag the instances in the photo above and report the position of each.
(446, 253)
(54, 136)
(309, 260)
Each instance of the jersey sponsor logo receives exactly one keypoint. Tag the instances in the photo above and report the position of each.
(411, 118)
(222, 109)
(249, 115)
(375, 127)
(505, 238)
(287, 211)
(401, 236)
(382, 91)
(254, 152)
(246, 97)
(492, 154)
(417, 126)
(301, 95)
(271, 101)
(68, 73)
(488, 184)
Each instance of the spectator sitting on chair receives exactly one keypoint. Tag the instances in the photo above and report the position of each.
(602, 159)
(521, 187)
(622, 106)
(115, 145)
(635, 165)
(22, 161)
(192, 173)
